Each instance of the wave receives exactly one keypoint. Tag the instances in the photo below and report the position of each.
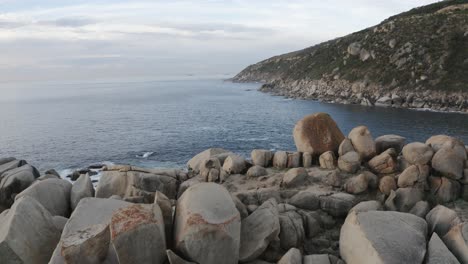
(145, 155)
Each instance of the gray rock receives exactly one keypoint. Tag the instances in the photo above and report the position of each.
(414, 176)
(166, 209)
(349, 162)
(406, 198)
(280, 159)
(345, 147)
(417, 153)
(307, 159)
(438, 253)
(256, 171)
(7, 164)
(440, 141)
(88, 246)
(53, 194)
(83, 187)
(445, 190)
(219, 153)
(357, 184)
(292, 232)
(385, 142)
(387, 184)
(456, 241)
(365, 238)
(420, 209)
(175, 259)
(240, 207)
(441, 219)
(59, 222)
(234, 164)
(295, 177)
(137, 234)
(27, 233)
(384, 163)
(293, 256)
(367, 206)
(327, 160)
(337, 204)
(15, 181)
(448, 163)
(265, 221)
(294, 159)
(363, 142)
(210, 170)
(306, 200)
(262, 157)
(207, 225)
(312, 223)
(316, 259)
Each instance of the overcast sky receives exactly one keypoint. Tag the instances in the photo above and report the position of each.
(76, 40)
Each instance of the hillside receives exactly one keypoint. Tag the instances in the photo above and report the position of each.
(419, 57)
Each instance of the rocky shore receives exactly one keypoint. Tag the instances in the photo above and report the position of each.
(335, 199)
(366, 94)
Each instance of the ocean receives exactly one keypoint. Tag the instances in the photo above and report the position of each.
(163, 123)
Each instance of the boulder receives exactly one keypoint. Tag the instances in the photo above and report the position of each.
(439, 141)
(404, 199)
(414, 176)
(262, 157)
(166, 209)
(417, 153)
(337, 204)
(327, 160)
(441, 219)
(292, 231)
(457, 241)
(175, 259)
(363, 142)
(112, 183)
(367, 206)
(317, 133)
(6, 160)
(384, 163)
(240, 207)
(280, 159)
(316, 259)
(295, 177)
(207, 225)
(387, 184)
(306, 200)
(294, 159)
(293, 256)
(448, 163)
(83, 187)
(15, 181)
(7, 164)
(357, 184)
(349, 162)
(334, 179)
(219, 153)
(307, 159)
(445, 190)
(365, 238)
(53, 194)
(27, 233)
(210, 170)
(354, 48)
(59, 222)
(385, 142)
(89, 212)
(420, 209)
(438, 253)
(256, 171)
(345, 147)
(265, 221)
(87, 246)
(312, 223)
(234, 164)
(137, 234)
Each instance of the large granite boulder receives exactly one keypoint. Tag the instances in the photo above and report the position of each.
(444, 189)
(175, 259)
(280, 159)
(404, 199)
(383, 237)
(15, 181)
(88, 213)
(384, 163)
(295, 177)
(165, 205)
(317, 133)
(448, 163)
(27, 233)
(207, 225)
(210, 170)
(441, 219)
(53, 194)
(256, 171)
(258, 230)
(349, 162)
(337, 204)
(414, 176)
(87, 246)
(387, 184)
(327, 160)
(345, 147)
(363, 142)
(440, 141)
(292, 231)
(234, 164)
(306, 200)
(7, 164)
(82, 188)
(417, 153)
(385, 142)
(357, 184)
(137, 234)
(262, 157)
(457, 241)
(438, 253)
(219, 153)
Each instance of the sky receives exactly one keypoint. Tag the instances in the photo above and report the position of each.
(103, 39)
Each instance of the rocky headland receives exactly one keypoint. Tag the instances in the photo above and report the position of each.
(335, 199)
(417, 59)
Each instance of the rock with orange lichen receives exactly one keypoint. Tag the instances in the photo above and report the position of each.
(207, 225)
(137, 234)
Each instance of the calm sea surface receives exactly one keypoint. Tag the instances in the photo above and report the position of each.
(164, 123)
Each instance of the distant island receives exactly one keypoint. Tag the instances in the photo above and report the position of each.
(417, 59)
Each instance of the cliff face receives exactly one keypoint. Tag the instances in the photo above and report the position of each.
(415, 59)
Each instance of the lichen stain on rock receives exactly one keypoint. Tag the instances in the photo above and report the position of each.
(129, 218)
